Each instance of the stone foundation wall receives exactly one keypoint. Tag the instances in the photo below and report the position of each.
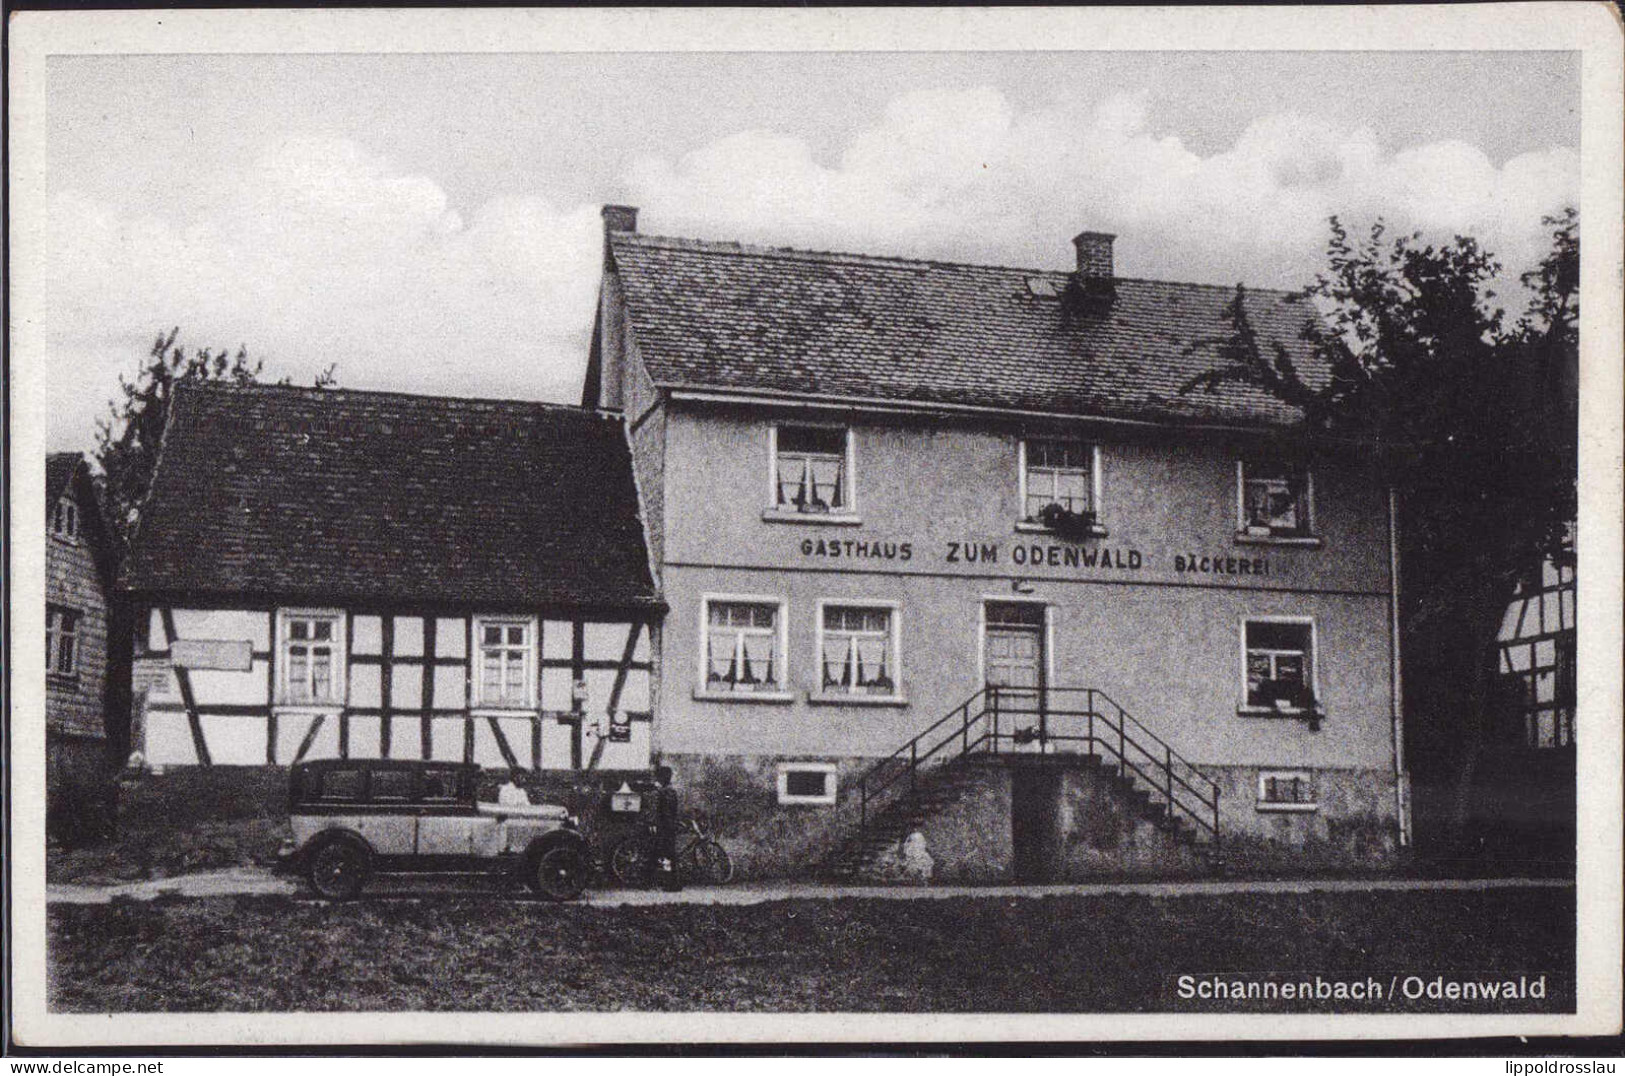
(1101, 832)
(1355, 823)
(1096, 831)
(738, 796)
(968, 839)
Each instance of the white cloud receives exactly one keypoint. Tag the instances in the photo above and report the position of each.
(960, 173)
(320, 251)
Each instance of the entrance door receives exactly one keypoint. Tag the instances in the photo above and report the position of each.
(1013, 661)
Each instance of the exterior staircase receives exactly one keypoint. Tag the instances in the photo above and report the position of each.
(1075, 729)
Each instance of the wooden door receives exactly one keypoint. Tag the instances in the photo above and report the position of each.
(1013, 662)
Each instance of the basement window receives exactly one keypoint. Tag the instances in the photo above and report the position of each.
(1286, 790)
(812, 472)
(1279, 664)
(807, 782)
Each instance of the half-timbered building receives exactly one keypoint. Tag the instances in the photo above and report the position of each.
(332, 574)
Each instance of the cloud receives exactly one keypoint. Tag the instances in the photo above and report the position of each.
(320, 252)
(961, 173)
(317, 251)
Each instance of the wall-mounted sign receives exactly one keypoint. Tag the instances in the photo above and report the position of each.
(235, 655)
(620, 727)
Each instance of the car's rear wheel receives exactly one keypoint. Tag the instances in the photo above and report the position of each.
(560, 873)
(339, 869)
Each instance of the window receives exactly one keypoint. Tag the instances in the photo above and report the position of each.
(341, 785)
(61, 641)
(1275, 501)
(440, 786)
(807, 782)
(1285, 790)
(810, 469)
(744, 646)
(65, 519)
(392, 785)
(1060, 473)
(858, 649)
(1280, 664)
(507, 658)
(312, 653)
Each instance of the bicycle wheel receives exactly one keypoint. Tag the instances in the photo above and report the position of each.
(632, 863)
(706, 862)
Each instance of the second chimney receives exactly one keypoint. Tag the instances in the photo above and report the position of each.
(1094, 255)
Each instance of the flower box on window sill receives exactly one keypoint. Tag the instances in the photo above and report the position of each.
(817, 519)
(722, 694)
(1292, 808)
(1263, 536)
(860, 697)
(1028, 526)
(1314, 713)
(1065, 523)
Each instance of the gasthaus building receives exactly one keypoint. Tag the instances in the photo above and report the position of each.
(964, 582)
(338, 574)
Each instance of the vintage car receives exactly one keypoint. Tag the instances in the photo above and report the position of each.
(354, 818)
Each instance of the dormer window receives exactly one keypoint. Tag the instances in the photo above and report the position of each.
(812, 469)
(65, 520)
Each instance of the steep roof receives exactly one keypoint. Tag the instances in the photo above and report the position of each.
(59, 469)
(728, 316)
(338, 495)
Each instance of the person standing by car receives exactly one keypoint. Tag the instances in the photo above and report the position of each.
(666, 831)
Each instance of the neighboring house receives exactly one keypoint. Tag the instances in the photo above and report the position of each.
(1523, 796)
(876, 488)
(78, 573)
(327, 573)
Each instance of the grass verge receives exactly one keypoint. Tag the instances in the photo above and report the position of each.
(1050, 954)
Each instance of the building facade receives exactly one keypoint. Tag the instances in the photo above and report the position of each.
(78, 572)
(876, 488)
(336, 574)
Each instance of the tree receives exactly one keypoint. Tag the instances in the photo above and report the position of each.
(1477, 421)
(128, 439)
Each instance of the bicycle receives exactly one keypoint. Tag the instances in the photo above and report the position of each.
(701, 859)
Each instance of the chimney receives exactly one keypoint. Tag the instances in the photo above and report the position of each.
(622, 218)
(1094, 255)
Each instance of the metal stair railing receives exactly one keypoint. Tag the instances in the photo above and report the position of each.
(1085, 717)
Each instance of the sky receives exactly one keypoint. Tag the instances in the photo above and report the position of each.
(431, 223)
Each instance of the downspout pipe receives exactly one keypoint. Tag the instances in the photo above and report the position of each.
(1395, 696)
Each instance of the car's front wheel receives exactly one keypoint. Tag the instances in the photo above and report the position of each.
(560, 873)
(339, 869)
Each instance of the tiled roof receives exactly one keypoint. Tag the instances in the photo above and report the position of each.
(344, 496)
(728, 316)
